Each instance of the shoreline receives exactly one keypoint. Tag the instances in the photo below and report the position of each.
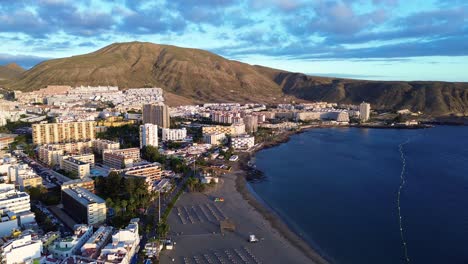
(268, 213)
(248, 173)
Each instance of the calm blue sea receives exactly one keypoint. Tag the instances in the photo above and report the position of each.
(338, 188)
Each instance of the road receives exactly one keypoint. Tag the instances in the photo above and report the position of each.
(165, 200)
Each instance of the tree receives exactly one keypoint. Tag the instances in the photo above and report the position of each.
(163, 229)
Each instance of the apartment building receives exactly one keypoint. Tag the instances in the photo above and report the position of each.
(121, 158)
(23, 249)
(92, 247)
(13, 200)
(78, 167)
(73, 147)
(214, 138)
(99, 145)
(123, 246)
(84, 206)
(242, 142)
(157, 114)
(150, 173)
(169, 134)
(6, 140)
(50, 155)
(53, 133)
(25, 181)
(228, 130)
(68, 246)
(148, 135)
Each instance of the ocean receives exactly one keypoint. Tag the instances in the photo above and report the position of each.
(373, 195)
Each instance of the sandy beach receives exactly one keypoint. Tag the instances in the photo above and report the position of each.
(195, 228)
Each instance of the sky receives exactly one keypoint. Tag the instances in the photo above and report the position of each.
(364, 39)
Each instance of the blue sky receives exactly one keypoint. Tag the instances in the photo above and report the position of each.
(369, 39)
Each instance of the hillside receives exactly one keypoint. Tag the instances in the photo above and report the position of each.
(192, 75)
(10, 71)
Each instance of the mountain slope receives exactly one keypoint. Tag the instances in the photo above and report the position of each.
(192, 75)
(10, 71)
(436, 98)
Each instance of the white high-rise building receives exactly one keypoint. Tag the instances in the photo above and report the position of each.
(174, 134)
(148, 135)
(364, 109)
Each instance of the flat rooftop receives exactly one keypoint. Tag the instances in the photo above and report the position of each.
(83, 196)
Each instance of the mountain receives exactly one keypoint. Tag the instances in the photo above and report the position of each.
(193, 75)
(10, 71)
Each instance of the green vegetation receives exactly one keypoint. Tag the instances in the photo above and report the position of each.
(10, 127)
(264, 135)
(174, 144)
(126, 196)
(197, 134)
(152, 154)
(163, 227)
(43, 220)
(226, 154)
(195, 185)
(127, 135)
(40, 193)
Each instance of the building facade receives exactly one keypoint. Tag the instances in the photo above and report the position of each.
(21, 250)
(63, 132)
(173, 134)
(214, 138)
(121, 158)
(84, 206)
(251, 123)
(99, 145)
(364, 110)
(242, 142)
(150, 173)
(148, 135)
(13, 200)
(157, 114)
(86, 183)
(76, 166)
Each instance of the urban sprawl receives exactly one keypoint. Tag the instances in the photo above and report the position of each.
(89, 174)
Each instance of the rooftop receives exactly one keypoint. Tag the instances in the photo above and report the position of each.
(83, 196)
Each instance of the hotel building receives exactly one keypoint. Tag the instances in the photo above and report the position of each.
(52, 133)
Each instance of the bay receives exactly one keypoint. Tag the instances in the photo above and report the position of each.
(338, 188)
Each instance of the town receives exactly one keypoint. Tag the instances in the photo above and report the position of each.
(91, 174)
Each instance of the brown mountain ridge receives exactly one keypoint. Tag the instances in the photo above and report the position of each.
(10, 71)
(193, 75)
